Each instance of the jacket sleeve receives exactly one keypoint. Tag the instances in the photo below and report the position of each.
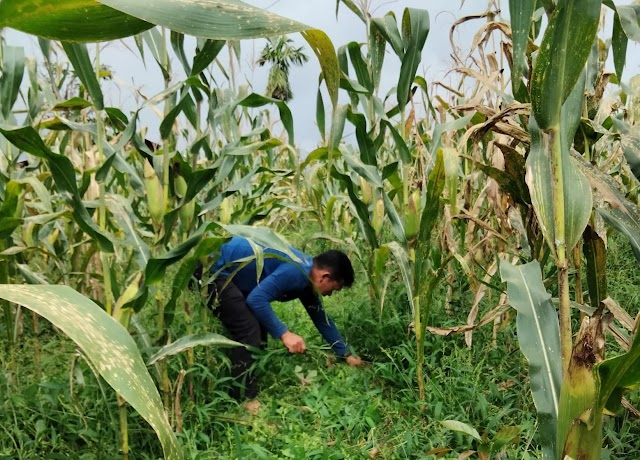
(273, 287)
(324, 323)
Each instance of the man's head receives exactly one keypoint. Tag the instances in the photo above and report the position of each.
(331, 272)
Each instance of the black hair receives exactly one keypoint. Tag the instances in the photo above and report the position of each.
(338, 264)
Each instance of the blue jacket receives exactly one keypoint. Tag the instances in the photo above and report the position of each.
(281, 279)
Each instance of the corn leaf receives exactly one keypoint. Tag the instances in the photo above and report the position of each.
(69, 20)
(106, 344)
(216, 19)
(631, 148)
(377, 45)
(359, 65)
(429, 218)
(563, 53)
(257, 100)
(629, 16)
(521, 12)
(11, 78)
(595, 253)
(206, 55)
(28, 139)
(615, 375)
(577, 192)
(539, 338)
(415, 29)
(189, 341)
(625, 224)
(128, 222)
(619, 43)
(79, 58)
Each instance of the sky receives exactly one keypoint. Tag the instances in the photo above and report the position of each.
(132, 77)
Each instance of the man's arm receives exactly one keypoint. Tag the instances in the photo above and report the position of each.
(271, 288)
(325, 325)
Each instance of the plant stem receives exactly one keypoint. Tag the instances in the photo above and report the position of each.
(561, 246)
(124, 434)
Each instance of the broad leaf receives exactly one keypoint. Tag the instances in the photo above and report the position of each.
(539, 338)
(576, 191)
(69, 20)
(106, 344)
(216, 19)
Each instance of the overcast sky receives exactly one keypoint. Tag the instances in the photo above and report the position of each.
(436, 59)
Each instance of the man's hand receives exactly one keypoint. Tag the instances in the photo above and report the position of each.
(354, 361)
(293, 342)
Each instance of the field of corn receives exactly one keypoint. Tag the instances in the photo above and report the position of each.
(493, 220)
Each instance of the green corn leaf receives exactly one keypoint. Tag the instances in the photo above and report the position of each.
(156, 43)
(326, 54)
(619, 43)
(190, 341)
(257, 100)
(362, 211)
(414, 33)
(539, 338)
(63, 173)
(206, 55)
(377, 45)
(157, 266)
(320, 116)
(396, 222)
(128, 222)
(615, 375)
(629, 16)
(75, 103)
(69, 20)
(563, 53)
(216, 19)
(625, 224)
(365, 142)
(8, 226)
(577, 192)
(106, 344)
(521, 13)
(388, 28)
(177, 43)
(360, 66)
(11, 79)
(630, 142)
(79, 58)
(402, 257)
(337, 126)
(264, 236)
(353, 7)
(451, 167)
(370, 173)
(595, 253)
(430, 215)
(401, 146)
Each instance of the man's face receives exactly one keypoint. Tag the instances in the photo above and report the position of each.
(323, 282)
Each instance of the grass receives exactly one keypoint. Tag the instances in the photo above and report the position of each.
(314, 407)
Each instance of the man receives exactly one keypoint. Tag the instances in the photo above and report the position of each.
(242, 298)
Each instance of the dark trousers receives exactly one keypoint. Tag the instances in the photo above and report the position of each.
(230, 305)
